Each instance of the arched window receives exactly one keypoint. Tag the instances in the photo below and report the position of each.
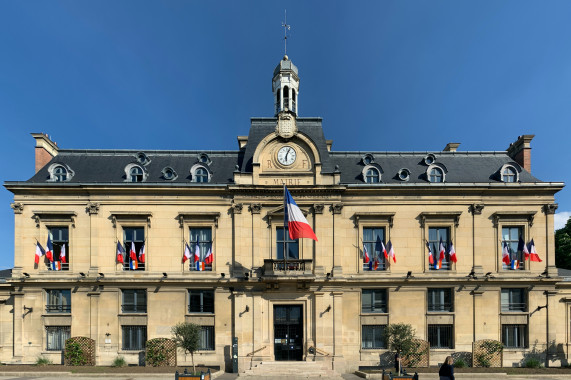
(293, 100)
(435, 175)
(201, 175)
(278, 99)
(509, 174)
(60, 174)
(372, 176)
(136, 174)
(286, 97)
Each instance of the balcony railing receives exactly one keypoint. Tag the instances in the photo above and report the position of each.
(290, 267)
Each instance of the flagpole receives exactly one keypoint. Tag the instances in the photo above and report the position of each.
(285, 227)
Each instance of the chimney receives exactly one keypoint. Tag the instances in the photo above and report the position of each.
(451, 147)
(46, 149)
(520, 151)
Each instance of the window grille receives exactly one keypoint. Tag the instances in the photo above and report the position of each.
(58, 301)
(201, 301)
(134, 338)
(440, 300)
(440, 336)
(134, 301)
(514, 336)
(372, 336)
(206, 338)
(56, 337)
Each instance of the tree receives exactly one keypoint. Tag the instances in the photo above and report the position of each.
(399, 337)
(563, 246)
(187, 336)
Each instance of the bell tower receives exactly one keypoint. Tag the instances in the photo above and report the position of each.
(285, 86)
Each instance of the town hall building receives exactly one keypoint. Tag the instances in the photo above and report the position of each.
(122, 223)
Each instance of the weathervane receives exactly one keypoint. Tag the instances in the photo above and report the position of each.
(286, 28)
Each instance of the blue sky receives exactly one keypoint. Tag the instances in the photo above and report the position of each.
(384, 75)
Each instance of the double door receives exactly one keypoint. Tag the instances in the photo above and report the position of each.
(288, 332)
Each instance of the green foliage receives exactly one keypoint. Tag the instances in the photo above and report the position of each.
(158, 352)
(119, 362)
(460, 363)
(74, 353)
(400, 338)
(533, 363)
(187, 336)
(43, 361)
(563, 246)
(491, 347)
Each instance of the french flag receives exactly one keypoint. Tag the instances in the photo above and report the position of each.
(120, 253)
(56, 265)
(380, 247)
(133, 264)
(197, 251)
(366, 257)
(39, 252)
(533, 256)
(50, 247)
(391, 251)
(442, 250)
(187, 253)
(200, 265)
(142, 254)
(506, 254)
(296, 223)
(209, 258)
(514, 264)
(430, 256)
(62, 254)
(452, 252)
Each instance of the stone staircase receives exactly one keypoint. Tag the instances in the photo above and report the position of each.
(292, 370)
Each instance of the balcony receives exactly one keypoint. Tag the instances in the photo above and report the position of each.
(291, 267)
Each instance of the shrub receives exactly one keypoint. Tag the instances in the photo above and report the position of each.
(43, 361)
(119, 362)
(187, 336)
(74, 353)
(532, 363)
(460, 363)
(160, 352)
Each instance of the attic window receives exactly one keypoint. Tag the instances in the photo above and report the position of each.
(404, 174)
(203, 158)
(199, 173)
(135, 173)
(60, 173)
(368, 159)
(509, 174)
(435, 175)
(142, 158)
(429, 159)
(169, 174)
(372, 176)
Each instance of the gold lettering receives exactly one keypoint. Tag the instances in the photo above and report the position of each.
(269, 164)
(303, 163)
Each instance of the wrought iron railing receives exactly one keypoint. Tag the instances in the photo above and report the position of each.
(290, 266)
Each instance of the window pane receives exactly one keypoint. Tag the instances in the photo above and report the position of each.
(201, 301)
(371, 236)
(374, 301)
(56, 337)
(206, 338)
(372, 336)
(440, 336)
(440, 300)
(134, 337)
(292, 246)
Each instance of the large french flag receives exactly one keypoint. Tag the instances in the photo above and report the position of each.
(187, 255)
(50, 249)
(120, 253)
(366, 257)
(209, 258)
(506, 254)
(296, 222)
(39, 252)
(533, 256)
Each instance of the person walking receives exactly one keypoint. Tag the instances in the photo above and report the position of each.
(446, 371)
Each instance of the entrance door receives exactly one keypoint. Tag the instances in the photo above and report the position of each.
(288, 332)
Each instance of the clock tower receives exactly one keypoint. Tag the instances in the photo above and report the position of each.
(285, 86)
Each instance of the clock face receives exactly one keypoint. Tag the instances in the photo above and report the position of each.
(286, 155)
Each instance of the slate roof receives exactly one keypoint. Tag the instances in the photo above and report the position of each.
(108, 166)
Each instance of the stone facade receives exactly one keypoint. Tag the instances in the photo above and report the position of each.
(316, 306)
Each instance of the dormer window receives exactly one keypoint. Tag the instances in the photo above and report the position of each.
(203, 158)
(509, 174)
(169, 174)
(429, 159)
(435, 175)
(136, 174)
(200, 174)
(368, 159)
(404, 174)
(372, 176)
(60, 173)
(142, 158)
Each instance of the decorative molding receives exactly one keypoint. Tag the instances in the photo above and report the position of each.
(550, 208)
(129, 216)
(236, 208)
(210, 217)
(513, 215)
(336, 208)
(454, 215)
(318, 208)
(376, 216)
(476, 208)
(255, 208)
(17, 207)
(92, 208)
(54, 216)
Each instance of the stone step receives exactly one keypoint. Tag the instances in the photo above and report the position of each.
(305, 370)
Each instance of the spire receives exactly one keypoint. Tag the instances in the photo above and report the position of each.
(285, 82)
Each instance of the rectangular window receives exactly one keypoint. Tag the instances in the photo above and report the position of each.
(60, 242)
(206, 338)
(201, 301)
(514, 299)
(202, 237)
(510, 236)
(58, 300)
(440, 336)
(133, 239)
(291, 246)
(134, 337)
(514, 336)
(440, 300)
(374, 301)
(372, 239)
(56, 337)
(372, 336)
(134, 301)
(434, 236)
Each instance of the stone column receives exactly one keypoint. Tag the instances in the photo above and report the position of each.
(337, 268)
(338, 359)
(93, 210)
(18, 325)
(94, 320)
(549, 210)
